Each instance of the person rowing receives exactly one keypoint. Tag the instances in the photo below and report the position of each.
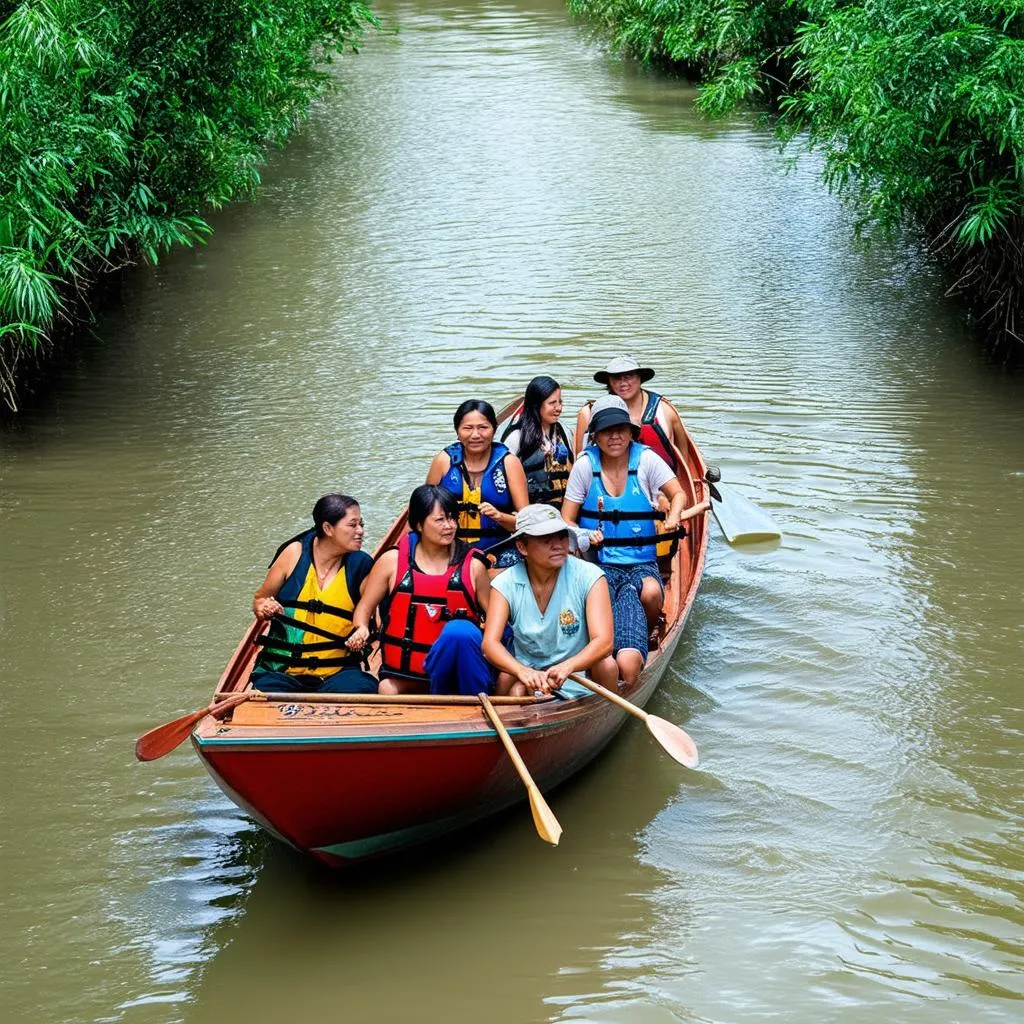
(431, 592)
(660, 424)
(539, 440)
(613, 491)
(486, 478)
(309, 597)
(558, 607)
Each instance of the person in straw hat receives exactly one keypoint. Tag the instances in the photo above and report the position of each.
(558, 608)
(660, 425)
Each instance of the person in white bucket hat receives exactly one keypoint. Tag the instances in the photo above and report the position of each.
(558, 608)
(659, 423)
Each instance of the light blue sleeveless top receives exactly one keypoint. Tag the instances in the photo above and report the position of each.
(541, 641)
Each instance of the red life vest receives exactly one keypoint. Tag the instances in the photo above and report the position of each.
(653, 434)
(418, 607)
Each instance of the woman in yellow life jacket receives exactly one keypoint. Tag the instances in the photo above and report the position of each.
(311, 590)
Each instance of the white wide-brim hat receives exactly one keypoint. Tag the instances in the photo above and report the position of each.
(623, 364)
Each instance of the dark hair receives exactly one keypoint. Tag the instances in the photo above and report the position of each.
(423, 501)
(330, 508)
(531, 430)
(475, 405)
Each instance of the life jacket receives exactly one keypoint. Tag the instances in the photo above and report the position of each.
(546, 474)
(312, 642)
(479, 531)
(627, 521)
(418, 607)
(653, 433)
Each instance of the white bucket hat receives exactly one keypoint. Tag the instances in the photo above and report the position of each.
(623, 364)
(539, 521)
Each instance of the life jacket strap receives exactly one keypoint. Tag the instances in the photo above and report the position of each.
(638, 542)
(616, 515)
(291, 647)
(297, 661)
(287, 620)
(405, 643)
(317, 607)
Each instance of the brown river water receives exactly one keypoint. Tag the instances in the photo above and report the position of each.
(492, 196)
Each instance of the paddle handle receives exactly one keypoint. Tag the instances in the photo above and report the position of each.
(695, 510)
(506, 740)
(609, 695)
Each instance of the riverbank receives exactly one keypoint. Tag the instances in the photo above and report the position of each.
(123, 126)
(914, 110)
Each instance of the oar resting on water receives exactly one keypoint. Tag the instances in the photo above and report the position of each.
(676, 743)
(740, 520)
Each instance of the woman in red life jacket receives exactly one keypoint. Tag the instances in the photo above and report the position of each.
(660, 425)
(431, 593)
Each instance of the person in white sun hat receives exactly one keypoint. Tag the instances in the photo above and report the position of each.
(558, 608)
(660, 425)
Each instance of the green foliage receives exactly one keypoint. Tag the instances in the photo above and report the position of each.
(918, 108)
(735, 47)
(125, 119)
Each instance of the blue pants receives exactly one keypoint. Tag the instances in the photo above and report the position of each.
(456, 661)
(624, 584)
(348, 680)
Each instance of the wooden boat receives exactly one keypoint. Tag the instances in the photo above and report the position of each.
(346, 778)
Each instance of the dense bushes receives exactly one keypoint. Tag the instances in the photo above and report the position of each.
(917, 107)
(124, 120)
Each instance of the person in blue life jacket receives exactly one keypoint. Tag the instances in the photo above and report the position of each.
(309, 595)
(540, 441)
(558, 608)
(613, 491)
(486, 478)
(431, 592)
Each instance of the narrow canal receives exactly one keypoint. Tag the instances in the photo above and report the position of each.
(490, 197)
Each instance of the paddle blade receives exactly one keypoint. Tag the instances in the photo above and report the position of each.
(164, 738)
(741, 521)
(676, 743)
(544, 819)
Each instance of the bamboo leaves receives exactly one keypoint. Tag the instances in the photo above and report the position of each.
(125, 119)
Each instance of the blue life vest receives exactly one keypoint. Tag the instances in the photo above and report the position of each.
(479, 531)
(627, 521)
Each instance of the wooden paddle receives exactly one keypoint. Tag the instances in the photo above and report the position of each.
(164, 738)
(544, 819)
(739, 519)
(676, 743)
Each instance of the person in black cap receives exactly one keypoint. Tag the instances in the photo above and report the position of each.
(613, 490)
